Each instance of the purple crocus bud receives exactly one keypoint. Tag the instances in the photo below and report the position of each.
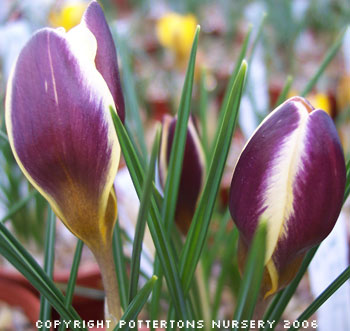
(59, 124)
(192, 174)
(290, 174)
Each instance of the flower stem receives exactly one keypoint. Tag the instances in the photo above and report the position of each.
(113, 310)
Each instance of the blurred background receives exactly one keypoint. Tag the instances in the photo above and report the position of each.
(288, 41)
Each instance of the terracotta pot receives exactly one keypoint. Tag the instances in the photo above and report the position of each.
(88, 276)
(14, 294)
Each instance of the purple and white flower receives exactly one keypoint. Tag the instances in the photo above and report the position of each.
(290, 174)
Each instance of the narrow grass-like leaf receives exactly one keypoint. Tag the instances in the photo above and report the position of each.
(176, 156)
(120, 266)
(284, 93)
(49, 259)
(252, 276)
(72, 280)
(160, 240)
(4, 136)
(136, 305)
(203, 109)
(178, 146)
(277, 307)
(347, 184)
(14, 252)
(218, 240)
(230, 251)
(18, 206)
(145, 202)
(131, 99)
(232, 80)
(327, 59)
(323, 297)
(155, 301)
(200, 223)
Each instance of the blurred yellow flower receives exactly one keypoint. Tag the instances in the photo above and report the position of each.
(69, 15)
(318, 100)
(321, 101)
(175, 32)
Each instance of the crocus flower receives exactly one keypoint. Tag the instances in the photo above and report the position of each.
(60, 128)
(192, 174)
(175, 32)
(69, 15)
(290, 174)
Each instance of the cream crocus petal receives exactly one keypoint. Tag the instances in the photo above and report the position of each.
(192, 173)
(291, 174)
(60, 130)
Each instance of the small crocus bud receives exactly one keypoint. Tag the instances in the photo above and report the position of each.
(192, 174)
(61, 132)
(291, 174)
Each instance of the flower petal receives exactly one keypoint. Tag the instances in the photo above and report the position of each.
(292, 174)
(57, 118)
(106, 56)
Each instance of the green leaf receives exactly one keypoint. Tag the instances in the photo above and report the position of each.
(203, 108)
(230, 252)
(132, 108)
(327, 59)
(3, 136)
(323, 297)
(120, 266)
(18, 206)
(136, 305)
(72, 279)
(141, 220)
(49, 259)
(283, 95)
(157, 230)
(232, 80)
(178, 146)
(198, 231)
(252, 276)
(14, 252)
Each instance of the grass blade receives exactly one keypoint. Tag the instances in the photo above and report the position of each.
(141, 220)
(203, 108)
(232, 80)
(120, 266)
(178, 147)
(200, 223)
(14, 252)
(327, 59)
(72, 280)
(4, 136)
(132, 110)
(323, 297)
(49, 253)
(230, 251)
(251, 281)
(136, 305)
(18, 206)
(284, 93)
(160, 240)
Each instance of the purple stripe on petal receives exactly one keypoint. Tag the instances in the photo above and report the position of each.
(249, 182)
(318, 190)
(106, 57)
(58, 124)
